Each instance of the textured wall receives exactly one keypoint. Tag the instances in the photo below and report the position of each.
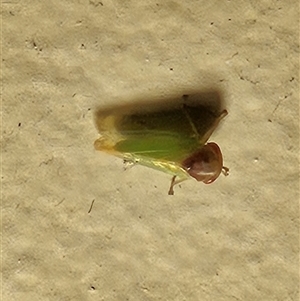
(237, 239)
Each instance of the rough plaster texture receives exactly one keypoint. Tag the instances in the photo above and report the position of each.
(237, 239)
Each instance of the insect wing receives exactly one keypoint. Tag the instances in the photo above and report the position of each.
(167, 135)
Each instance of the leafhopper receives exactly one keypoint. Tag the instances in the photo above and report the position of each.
(170, 136)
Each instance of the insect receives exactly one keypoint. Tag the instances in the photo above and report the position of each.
(170, 137)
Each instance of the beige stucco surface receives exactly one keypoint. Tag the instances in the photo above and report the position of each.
(236, 239)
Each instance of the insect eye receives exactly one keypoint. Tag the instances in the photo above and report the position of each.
(206, 164)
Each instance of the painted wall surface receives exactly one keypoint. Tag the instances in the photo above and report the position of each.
(236, 239)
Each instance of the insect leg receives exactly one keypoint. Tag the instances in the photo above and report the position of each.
(225, 171)
(129, 163)
(173, 183)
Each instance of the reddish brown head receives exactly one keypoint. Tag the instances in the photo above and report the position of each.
(206, 164)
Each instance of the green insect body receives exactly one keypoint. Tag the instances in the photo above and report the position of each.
(171, 139)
